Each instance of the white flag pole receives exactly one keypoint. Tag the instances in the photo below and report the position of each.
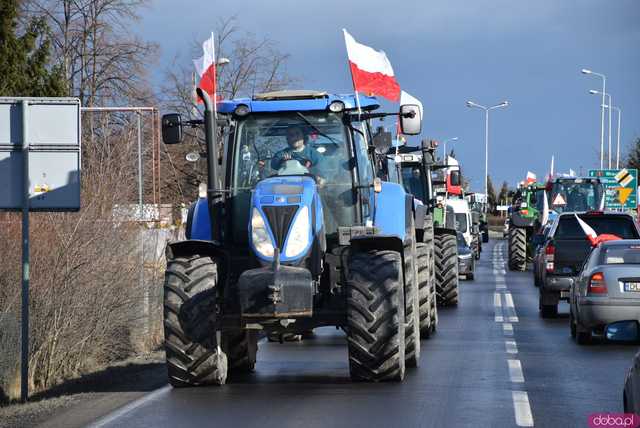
(215, 80)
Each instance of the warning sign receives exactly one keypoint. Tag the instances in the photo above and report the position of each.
(559, 200)
(620, 187)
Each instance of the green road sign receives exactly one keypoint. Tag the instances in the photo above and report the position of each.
(621, 187)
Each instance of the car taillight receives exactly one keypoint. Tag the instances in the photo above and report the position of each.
(549, 256)
(597, 284)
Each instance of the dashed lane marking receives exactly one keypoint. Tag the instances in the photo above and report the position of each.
(522, 408)
(511, 347)
(515, 371)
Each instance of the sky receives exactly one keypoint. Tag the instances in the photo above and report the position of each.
(450, 51)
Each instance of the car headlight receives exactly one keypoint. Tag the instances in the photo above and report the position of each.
(298, 239)
(260, 235)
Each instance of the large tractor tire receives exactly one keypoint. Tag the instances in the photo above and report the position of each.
(517, 249)
(424, 289)
(375, 316)
(192, 352)
(411, 305)
(241, 348)
(446, 262)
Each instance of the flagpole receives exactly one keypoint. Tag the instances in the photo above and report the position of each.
(215, 80)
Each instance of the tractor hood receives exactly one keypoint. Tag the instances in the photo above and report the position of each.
(286, 214)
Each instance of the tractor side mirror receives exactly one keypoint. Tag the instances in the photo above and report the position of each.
(382, 141)
(455, 178)
(410, 119)
(172, 128)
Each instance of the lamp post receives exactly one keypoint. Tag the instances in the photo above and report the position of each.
(604, 90)
(445, 146)
(594, 92)
(618, 135)
(471, 104)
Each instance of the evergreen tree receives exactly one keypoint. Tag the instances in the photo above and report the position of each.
(504, 194)
(25, 68)
(491, 195)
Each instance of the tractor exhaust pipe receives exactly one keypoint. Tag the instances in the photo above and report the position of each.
(211, 135)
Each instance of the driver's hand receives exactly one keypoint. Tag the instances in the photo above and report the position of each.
(286, 156)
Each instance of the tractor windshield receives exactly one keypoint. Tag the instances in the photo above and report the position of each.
(413, 182)
(576, 195)
(294, 143)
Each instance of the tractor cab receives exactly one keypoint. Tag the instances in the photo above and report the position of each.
(568, 194)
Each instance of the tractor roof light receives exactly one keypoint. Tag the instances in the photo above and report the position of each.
(336, 106)
(242, 110)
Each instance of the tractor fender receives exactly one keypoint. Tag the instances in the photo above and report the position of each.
(377, 242)
(443, 231)
(387, 219)
(518, 220)
(192, 247)
(198, 225)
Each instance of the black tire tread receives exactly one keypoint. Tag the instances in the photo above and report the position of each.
(446, 264)
(517, 249)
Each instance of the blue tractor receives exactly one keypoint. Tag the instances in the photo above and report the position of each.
(295, 232)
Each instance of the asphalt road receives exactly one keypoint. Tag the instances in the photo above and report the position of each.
(493, 362)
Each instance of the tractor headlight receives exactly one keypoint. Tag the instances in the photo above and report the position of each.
(260, 235)
(298, 239)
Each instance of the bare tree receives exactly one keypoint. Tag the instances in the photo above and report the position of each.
(102, 62)
(255, 65)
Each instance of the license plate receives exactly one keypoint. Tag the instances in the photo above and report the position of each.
(632, 286)
(564, 294)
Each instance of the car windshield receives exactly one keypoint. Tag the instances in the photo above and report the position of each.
(622, 255)
(622, 226)
(412, 181)
(576, 195)
(461, 222)
(312, 143)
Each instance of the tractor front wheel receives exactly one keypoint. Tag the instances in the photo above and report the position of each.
(375, 316)
(517, 249)
(446, 262)
(192, 352)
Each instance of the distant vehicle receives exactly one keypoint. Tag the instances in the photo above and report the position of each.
(566, 248)
(575, 194)
(607, 289)
(538, 254)
(463, 221)
(631, 394)
(466, 259)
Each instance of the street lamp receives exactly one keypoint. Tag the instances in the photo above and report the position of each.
(604, 90)
(618, 143)
(471, 104)
(594, 92)
(445, 146)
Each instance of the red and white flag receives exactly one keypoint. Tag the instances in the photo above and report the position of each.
(371, 70)
(592, 236)
(206, 68)
(531, 177)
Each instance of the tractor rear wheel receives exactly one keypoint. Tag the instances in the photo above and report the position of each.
(192, 352)
(424, 289)
(517, 249)
(375, 316)
(411, 304)
(241, 348)
(446, 262)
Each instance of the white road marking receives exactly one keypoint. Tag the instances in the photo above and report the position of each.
(522, 409)
(114, 416)
(507, 329)
(497, 303)
(510, 346)
(511, 308)
(515, 371)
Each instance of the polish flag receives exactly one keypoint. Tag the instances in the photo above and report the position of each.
(592, 236)
(531, 177)
(206, 69)
(371, 70)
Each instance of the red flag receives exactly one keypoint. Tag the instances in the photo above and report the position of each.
(531, 177)
(371, 70)
(206, 68)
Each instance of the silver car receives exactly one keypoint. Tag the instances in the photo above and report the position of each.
(607, 290)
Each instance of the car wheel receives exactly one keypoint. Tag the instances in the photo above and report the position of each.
(583, 337)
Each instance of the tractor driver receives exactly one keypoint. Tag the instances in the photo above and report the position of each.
(297, 149)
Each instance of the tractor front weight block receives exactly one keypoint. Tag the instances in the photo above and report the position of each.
(286, 292)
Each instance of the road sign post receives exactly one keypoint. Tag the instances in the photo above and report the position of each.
(621, 187)
(40, 171)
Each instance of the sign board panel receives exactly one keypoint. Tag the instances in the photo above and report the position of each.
(621, 187)
(53, 137)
